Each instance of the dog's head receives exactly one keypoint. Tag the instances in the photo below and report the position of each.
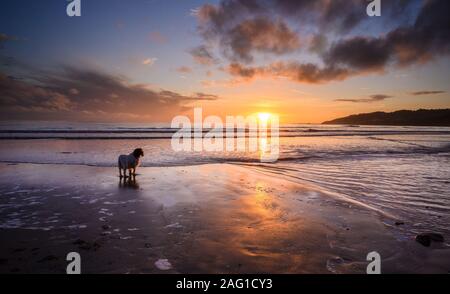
(138, 153)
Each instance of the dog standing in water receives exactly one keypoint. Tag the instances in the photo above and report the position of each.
(130, 162)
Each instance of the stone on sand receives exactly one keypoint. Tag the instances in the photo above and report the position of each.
(426, 238)
(163, 264)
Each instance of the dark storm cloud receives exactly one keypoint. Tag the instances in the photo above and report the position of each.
(344, 15)
(72, 93)
(341, 15)
(337, 14)
(242, 27)
(373, 98)
(222, 22)
(359, 53)
(427, 38)
(232, 25)
(259, 35)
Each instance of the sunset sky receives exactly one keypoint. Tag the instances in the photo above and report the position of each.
(150, 60)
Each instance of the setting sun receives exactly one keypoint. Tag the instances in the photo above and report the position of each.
(263, 117)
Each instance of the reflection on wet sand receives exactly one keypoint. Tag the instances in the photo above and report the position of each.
(202, 219)
(128, 182)
(255, 233)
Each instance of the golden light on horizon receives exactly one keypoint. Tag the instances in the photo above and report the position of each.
(264, 117)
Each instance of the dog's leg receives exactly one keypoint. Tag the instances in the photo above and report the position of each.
(134, 172)
(120, 172)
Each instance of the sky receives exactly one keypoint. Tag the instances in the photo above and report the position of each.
(150, 60)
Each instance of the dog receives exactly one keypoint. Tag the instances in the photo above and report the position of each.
(130, 162)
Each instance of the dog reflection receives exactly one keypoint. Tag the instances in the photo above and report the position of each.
(128, 182)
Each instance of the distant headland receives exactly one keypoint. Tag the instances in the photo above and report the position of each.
(421, 117)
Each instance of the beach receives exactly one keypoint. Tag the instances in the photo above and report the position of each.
(211, 218)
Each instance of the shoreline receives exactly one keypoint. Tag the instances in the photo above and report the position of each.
(210, 218)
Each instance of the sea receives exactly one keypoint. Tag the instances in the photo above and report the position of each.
(402, 171)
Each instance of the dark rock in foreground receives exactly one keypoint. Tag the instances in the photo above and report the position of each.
(426, 238)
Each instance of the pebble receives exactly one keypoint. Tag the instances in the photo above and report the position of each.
(163, 264)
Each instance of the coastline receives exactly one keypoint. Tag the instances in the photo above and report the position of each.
(213, 218)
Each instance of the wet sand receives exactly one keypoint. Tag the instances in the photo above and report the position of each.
(217, 218)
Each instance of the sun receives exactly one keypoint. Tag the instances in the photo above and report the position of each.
(264, 117)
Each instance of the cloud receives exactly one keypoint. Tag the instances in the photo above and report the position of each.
(298, 72)
(71, 93)
(16, 95)
(418, 31)
(169, 95)
(237, 69)
(371, 99)
(421, 93)
(149, 61)
(207, 97)
(184, 69)
(340, 15)
(240, 32)
(337, 15)
(427, 38)
(359, 53)
(201, 55)
(259, 35)
(242, 26)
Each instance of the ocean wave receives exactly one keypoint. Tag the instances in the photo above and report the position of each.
(167, 134)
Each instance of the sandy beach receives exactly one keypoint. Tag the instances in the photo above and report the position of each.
(215, 218)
